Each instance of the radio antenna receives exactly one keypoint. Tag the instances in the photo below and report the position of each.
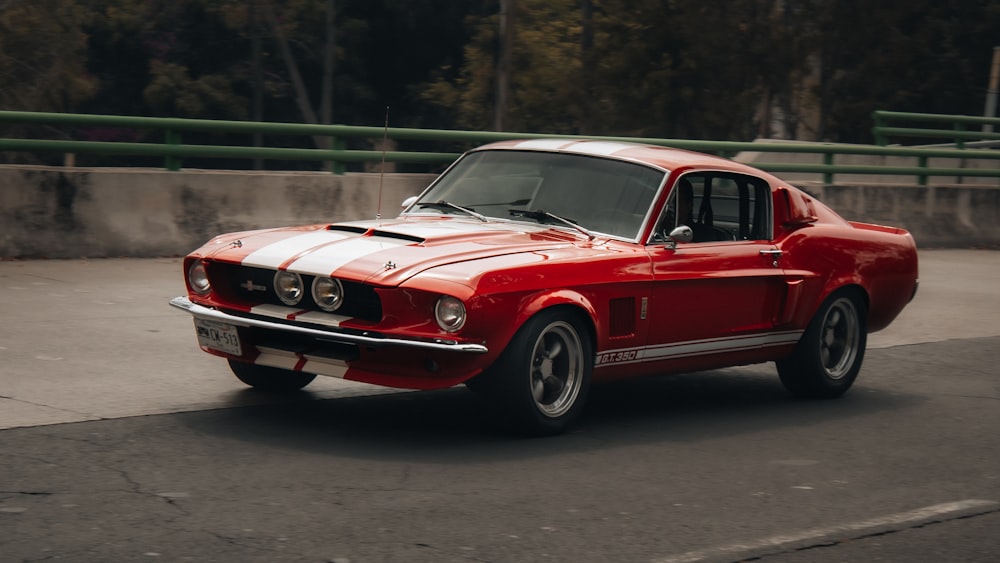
(381, 175)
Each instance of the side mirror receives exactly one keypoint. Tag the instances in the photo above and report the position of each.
(409, 201)
(682, 233)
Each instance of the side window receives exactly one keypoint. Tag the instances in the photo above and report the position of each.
(718, 207)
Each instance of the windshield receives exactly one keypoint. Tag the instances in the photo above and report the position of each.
(597, 194)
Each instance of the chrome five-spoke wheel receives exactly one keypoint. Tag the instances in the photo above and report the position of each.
(839, 338)
(828, 357)
(556, 369)
(539, 384)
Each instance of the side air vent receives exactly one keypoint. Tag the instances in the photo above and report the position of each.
(622, 317)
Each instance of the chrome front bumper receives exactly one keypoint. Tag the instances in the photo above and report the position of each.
(362, 339)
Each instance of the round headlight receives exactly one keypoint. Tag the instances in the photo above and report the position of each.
(328, 293)
(288, 286)
(198, 278)
(450, 313)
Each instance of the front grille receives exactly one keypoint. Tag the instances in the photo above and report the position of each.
(254, 286)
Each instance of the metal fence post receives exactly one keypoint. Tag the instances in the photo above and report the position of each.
(339, 144)
(173, 138)
(880, 139)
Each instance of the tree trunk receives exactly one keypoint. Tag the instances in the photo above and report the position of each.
(326, 100)
(301, 96)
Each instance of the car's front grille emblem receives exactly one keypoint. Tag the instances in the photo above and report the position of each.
(250, 286)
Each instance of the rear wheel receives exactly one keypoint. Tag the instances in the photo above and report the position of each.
(828, 357)
(540, 382)
(270, 379)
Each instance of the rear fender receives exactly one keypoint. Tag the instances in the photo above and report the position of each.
(811, 277)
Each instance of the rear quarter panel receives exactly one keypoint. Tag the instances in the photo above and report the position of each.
(882, 261)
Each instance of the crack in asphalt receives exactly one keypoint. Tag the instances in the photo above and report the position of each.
(816, 538)
(32, 403)
(837, 541)
(465, 556)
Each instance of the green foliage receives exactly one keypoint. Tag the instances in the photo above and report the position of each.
(811, 69)
(655, 68)
(43, 53)
(172, 91)
(929, 56)
(171, 58)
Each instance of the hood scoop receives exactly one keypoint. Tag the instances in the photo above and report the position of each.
(360, 230)
(348, 229)
(399, 236)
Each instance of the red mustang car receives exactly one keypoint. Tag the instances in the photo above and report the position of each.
(530, 268)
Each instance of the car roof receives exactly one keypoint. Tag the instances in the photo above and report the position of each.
(662, 157)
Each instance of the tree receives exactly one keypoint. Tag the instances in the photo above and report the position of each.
(168, 58)
(545, 63)
(809, 69)
(928, 56)
(43, 53)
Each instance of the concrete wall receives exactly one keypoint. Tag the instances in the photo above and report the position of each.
(939, 216)
(757, 158)
(53, 212)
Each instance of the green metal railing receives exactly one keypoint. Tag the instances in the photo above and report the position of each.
(957, 133)
(173, 150)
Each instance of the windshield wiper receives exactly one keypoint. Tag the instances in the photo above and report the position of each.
(540, 216)
(515, 202)
(449, 205)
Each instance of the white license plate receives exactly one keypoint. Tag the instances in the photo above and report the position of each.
(218, 336)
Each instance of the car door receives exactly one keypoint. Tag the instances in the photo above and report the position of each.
(714, 300)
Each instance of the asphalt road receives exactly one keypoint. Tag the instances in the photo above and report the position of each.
(121, 441)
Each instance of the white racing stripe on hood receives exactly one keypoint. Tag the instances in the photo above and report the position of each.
(276, 254)
(328, 258)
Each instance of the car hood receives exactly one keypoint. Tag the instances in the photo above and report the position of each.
(384, 253)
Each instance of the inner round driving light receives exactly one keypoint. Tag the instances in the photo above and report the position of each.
(328, 293)
(450, 313)
(198, 278)
(288, 286)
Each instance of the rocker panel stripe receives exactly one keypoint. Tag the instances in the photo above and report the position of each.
(695, 348)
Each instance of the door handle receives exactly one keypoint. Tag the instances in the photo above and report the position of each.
(773, 253)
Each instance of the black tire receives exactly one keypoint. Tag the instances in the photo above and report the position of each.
(270, 379)
(539, 384)
(828, 357)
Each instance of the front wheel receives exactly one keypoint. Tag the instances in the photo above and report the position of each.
(270, 379)
(827, 359)
(541, 381)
